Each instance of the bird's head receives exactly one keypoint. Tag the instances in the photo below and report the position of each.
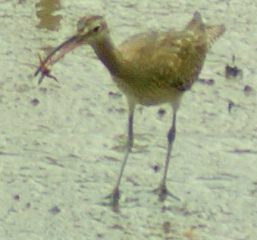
(90, 30)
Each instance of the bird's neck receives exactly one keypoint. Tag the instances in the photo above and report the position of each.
(109, 55)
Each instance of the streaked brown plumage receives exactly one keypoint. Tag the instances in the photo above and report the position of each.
(149, 68)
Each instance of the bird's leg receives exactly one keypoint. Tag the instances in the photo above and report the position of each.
(115, 195)
(162, 190)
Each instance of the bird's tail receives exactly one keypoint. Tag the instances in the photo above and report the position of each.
(196, 23)
(212, 31)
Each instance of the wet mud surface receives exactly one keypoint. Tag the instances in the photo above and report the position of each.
(61, 143)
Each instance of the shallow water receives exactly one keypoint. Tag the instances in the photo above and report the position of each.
(59, 151)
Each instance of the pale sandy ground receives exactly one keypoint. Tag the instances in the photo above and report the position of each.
(59, 159)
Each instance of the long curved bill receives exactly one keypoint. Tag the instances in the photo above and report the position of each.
(55, 55)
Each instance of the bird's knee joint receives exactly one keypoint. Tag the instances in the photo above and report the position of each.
(171, 135)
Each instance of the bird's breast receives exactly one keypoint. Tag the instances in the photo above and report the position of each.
(148, 93)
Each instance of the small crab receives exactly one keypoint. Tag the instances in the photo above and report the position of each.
(45, 72)
(54, 56)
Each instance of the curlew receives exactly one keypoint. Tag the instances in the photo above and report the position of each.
(149, 68)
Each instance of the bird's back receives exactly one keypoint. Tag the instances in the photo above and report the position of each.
(167, 62)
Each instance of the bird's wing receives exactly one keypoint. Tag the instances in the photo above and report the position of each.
(162, 56)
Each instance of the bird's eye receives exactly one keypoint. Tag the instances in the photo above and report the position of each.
(96, 29)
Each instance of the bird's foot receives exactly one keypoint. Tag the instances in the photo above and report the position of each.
(163, 192)
(114, 199)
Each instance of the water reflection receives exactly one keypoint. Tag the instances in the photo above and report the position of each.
(45, 13)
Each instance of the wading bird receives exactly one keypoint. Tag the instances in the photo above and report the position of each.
(149, 68)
